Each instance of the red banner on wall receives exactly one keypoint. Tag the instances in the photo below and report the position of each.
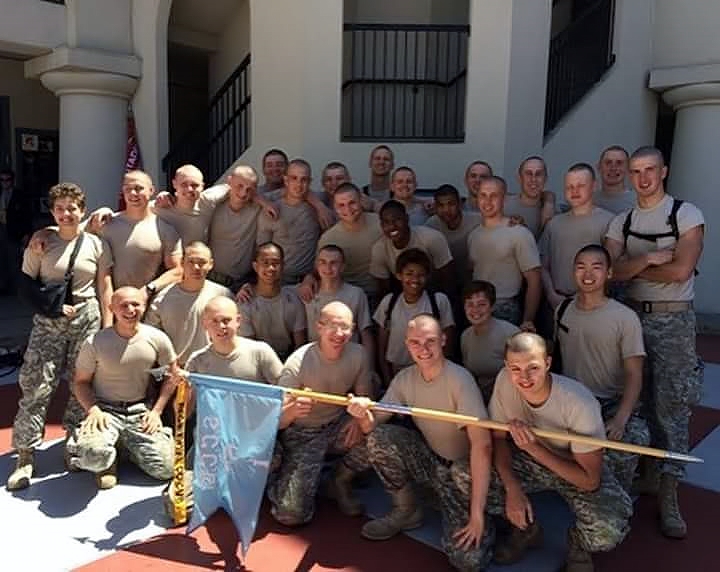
(133, 158)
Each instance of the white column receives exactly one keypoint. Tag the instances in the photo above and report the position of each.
(93, 130)
(693, 174)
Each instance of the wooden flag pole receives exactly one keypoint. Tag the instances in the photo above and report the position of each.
(437, 415)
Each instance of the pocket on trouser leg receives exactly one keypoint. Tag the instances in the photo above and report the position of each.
(695, 383)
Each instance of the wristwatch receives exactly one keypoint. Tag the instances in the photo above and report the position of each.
(151, 289)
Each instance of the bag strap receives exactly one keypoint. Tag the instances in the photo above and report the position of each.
(560, 313)
(391, 304)
(73, 255)
(434, 305)
(673, 218)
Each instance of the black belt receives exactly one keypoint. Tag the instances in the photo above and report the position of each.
(119, 405)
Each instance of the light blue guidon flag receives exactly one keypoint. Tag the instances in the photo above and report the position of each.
(237, 422)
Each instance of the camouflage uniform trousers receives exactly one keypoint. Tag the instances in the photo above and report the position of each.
(402, 457)
(624, 465)
(674, 382)
(297, 462)
(97, 451)
(601, 516)
(509, 309)
(51, 352)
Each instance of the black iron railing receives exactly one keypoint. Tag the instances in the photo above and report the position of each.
(404, 82)
(579, 57)
(221, 134)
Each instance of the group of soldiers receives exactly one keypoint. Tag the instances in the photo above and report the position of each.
(495, 305)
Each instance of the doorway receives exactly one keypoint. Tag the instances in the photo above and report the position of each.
(36, 169)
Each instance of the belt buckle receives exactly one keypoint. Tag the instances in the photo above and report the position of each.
(647, 307)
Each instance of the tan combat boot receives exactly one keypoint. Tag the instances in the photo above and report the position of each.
(20, 477)
(672, 524)
(341, 490)
(517, 544)
(107, 479)
(405, 515)
(578, 559)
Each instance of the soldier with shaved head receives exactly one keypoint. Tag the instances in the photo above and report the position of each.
(404, 457)
(111, 383)
(146, 250)
(332, 364)
(177, 309)
(526, 394)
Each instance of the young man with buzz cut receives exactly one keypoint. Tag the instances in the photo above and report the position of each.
(613, 194)
(655, 248)
(533, 204)
(504, 255)
(399, 236)
(527, 395)
(601, 345)
(427, 456)
(177, 310)
(566, 233)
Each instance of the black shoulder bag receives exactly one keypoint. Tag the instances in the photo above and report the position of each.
(48, 299)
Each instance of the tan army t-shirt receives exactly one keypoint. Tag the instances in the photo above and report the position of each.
(532, 215)
(563, 236)
(653, 221)
(251, 360)
(179, 314)
(457, 238)
(384, 255)
(232, 238)
(595, 344)
(397, 354)
(297, 231)
(139, 248)
(484, 354)
(192, 224)
(570, 407)
(357, 247)
(273, 320)
(615, 202)
(352, 296)
(500, 255)
(307, 367)
(120, 365)
(50, 266)
(453, 390)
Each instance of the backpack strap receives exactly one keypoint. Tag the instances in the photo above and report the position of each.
(433, 304)
(391, 305)
(560, 313)
(673, 218)
(652, 237)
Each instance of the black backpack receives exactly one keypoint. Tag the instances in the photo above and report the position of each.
(671, 221)
(394, 298)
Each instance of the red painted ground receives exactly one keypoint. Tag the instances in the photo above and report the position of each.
(332, 541)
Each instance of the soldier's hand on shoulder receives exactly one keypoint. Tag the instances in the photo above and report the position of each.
(164, 200)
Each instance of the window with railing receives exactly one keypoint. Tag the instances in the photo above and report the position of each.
(404, 82)
(221, 134)
(579, 57)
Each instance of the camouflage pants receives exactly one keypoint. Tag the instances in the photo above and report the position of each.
(401, 457)
(51, 352)
(297, 462)
(509, 309)
(674, 381)
(601, 516)
(96, 452)
(624, 465)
